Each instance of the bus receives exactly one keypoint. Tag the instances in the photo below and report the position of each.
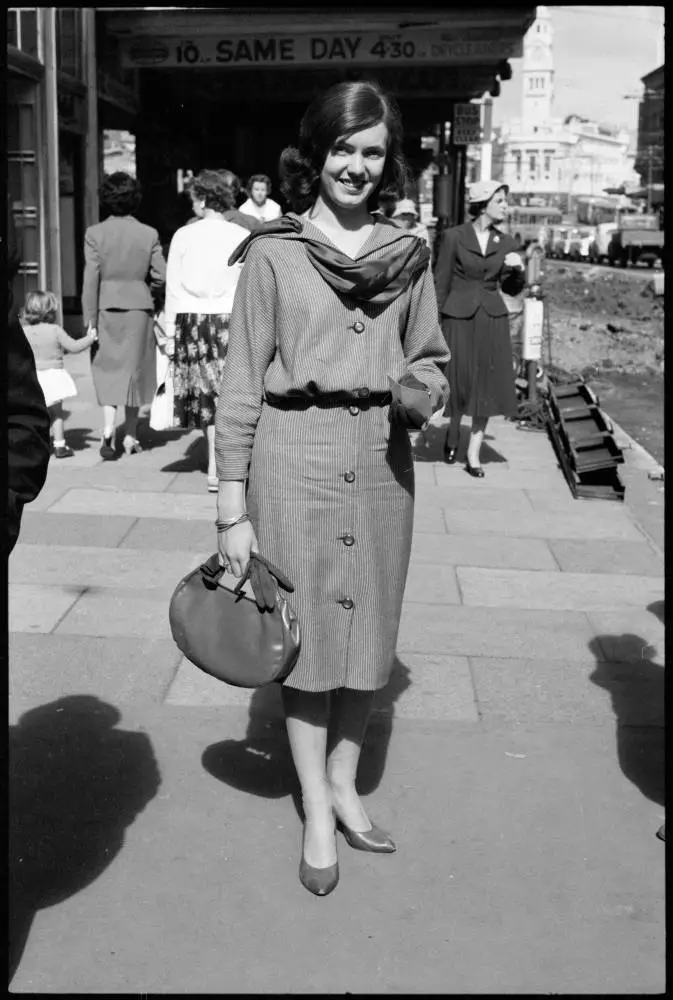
(531, 224)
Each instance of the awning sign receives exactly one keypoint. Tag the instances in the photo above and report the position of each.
(466, 128)
(325, 49)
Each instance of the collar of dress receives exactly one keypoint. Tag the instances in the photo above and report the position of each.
(378, 281)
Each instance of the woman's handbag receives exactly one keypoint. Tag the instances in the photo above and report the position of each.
(162, 410)
(244, 642)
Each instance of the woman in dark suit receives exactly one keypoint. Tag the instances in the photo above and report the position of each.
(124, 267)
(474, 258)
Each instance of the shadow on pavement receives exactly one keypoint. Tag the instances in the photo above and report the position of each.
(636, 686)
(79, 438)
(75, 784)
(195, 458)
(429, 446)
(261, 764)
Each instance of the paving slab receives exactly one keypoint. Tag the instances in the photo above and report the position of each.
(428, 519)
(35, 608)
(629, 634)
(122, 670)
(537, 690)
(167, 534)
(611, 522)
(44, 528)
(95, 567)
(505, 632)
(504, 588)
(421, 687)
(481, 550)
(508, 845)
(432, 584)
(137, 504)
(561, 500)
(48, 495)
(195, 481)
(478, 498)
(113, 476)
(501, 477)
(607, 556)
(115, 612)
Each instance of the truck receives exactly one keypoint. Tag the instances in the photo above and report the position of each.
(631, 237)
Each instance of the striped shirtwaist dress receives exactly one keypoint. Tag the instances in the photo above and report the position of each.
(330, 490)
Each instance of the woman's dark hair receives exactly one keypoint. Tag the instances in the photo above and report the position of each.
(476, 209)
(120, 194)
(259, 179)
(218, 189)
(344, 109)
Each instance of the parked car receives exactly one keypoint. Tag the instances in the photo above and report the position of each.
(579, 242)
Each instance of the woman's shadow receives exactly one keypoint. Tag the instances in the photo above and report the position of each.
(428, 446)
(636, 686)
(75, 784)
(261, 764)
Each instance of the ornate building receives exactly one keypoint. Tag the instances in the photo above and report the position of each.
(546, 160)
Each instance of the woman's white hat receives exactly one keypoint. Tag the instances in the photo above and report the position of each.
(484, 191)
(405, 207)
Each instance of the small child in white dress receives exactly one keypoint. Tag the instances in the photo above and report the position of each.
(49, 342)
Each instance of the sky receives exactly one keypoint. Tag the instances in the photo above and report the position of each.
(600, 55)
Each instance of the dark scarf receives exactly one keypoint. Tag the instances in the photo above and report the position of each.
(376, 281)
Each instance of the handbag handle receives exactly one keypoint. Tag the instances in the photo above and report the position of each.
(263, 575)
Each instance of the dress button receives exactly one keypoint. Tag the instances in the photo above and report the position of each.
(359, 327)
(350, 477)
(353, 410)
(347, 603)
(363, 393)
(348, 540)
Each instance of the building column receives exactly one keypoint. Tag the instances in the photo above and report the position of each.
(486, 143)
(92, 140)
(51, 161)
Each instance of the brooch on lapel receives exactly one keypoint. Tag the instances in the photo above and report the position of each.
(496, 239)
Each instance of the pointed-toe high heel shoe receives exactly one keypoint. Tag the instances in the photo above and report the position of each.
(319, 881)
(449, 455)
(474, 470)
(376, 841)
(131, 445)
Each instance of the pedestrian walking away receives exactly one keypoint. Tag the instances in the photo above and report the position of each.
(231, 215)
(333, 301)
(474, 258)
(117, 301)
(259, 205)
(49, 342)
(200, 289)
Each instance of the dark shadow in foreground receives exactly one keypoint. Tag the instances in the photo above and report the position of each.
(429, 446)
(75, 784)
(261, 764)
(636, 686)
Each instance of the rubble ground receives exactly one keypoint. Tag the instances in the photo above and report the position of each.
(602, 321)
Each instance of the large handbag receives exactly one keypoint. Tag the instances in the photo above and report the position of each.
(241, 641)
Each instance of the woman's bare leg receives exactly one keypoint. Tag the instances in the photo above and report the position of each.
(476, 439)
(57, 425)
(109, 420)
(349, 715)
(306, 715)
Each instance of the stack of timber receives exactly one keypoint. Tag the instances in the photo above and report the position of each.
(584, 442)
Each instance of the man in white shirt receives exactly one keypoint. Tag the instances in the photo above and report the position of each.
(259, 205)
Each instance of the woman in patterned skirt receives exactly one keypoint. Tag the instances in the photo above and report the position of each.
(332, 302)
(200, 290)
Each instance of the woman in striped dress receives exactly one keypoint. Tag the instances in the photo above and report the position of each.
(330, 304)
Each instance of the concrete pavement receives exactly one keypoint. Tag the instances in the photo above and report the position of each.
(516, 755)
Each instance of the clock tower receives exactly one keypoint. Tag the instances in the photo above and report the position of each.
(538, 73)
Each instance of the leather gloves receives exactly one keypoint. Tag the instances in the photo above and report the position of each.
(261, 573)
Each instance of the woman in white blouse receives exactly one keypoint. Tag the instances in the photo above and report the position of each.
(200, 289)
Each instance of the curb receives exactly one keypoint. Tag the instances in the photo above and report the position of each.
(633, 445)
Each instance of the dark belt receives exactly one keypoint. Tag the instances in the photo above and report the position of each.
(361, 398)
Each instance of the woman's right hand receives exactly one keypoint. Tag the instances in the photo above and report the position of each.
(235, 547)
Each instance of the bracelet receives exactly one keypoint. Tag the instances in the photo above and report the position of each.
(231, 522)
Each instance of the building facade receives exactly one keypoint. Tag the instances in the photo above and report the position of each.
(548, 161)
(650, 154)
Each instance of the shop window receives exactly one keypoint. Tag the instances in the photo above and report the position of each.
(69, 41)
(22, 30)
(23, 180)
(517, 164)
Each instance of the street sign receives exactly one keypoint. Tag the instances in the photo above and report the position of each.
(466, 128)
(368, 48)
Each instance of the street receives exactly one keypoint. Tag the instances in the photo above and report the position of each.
(516, 754)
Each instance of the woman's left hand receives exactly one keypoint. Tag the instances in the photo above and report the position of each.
(513, 259)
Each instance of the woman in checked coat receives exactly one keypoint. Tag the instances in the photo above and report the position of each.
(330, 304)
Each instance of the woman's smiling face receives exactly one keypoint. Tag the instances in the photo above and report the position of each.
(353, 167)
